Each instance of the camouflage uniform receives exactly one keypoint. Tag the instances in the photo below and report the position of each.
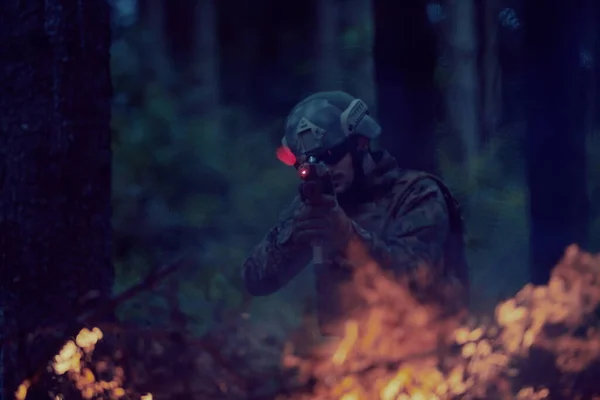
(409, 221)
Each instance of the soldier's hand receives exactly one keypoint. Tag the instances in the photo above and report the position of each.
(324, 223)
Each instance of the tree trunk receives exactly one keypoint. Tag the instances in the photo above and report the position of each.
(512, 54)
(328, 74)
(491, 72)
(590, 52)
(206, 60)
(596, 65)
(250, 26)
(207, 99)
(407, 96)
(154, 48)
(55, 193)
(462, 95)
(559, 206)
(358, 51)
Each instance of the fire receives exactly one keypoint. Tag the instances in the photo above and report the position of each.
(74, 361)
(22, 390)
(543, 343)
(347, 343)
(71, 361)
(69, 357)
(399, 349)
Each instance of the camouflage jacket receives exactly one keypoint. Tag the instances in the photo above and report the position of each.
(409, 221)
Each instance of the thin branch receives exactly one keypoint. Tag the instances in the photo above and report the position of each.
(88, 316)
(151, 280)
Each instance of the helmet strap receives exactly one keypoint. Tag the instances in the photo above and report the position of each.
(362, 164)
(362, 143)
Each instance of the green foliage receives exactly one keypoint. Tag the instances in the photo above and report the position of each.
(494, 197)
(187, 180)
(494, 200)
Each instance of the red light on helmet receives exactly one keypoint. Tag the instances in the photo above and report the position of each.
(285, 155)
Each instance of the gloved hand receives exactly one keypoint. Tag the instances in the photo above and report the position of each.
(324, 223)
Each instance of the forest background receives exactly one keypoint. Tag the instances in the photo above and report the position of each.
(498, 97)
(202, 89)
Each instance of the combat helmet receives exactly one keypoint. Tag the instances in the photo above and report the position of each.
(325, 121)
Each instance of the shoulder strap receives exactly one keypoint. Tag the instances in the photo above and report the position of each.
(455, 258)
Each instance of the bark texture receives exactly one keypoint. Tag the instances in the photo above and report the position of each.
(55, 236)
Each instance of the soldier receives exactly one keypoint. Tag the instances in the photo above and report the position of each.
(403, 220)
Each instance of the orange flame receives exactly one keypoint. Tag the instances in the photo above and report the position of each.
(72, 361)
(400, 349)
